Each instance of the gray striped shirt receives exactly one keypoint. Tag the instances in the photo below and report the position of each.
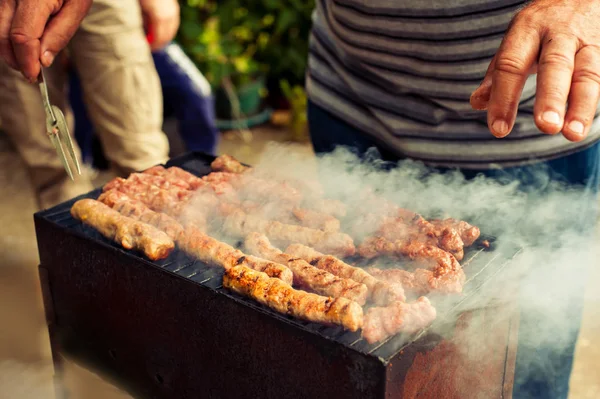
(403, 71)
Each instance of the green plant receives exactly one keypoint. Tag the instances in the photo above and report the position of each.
(239, 39)
(220, 41)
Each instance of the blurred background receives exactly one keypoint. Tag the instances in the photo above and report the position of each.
(250, 58)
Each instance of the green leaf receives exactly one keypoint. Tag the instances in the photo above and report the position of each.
(285, 20)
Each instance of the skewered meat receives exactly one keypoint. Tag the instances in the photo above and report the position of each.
(227, 163)
(135, 209)
(240, 224)
(281, 297)
(422, 281)
(317, 220)
(129, 233)
(209, 250)
(429, 255)
(305, 275)
(383, 322)
(380, 292)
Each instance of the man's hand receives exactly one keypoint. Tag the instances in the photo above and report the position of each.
(560, 40)
(161, 18)
(34, 31)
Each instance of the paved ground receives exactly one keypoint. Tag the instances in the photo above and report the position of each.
(25, 368)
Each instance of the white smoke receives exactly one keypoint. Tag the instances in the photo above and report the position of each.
(551, 222)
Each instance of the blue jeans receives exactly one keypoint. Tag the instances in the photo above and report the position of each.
(582, 168)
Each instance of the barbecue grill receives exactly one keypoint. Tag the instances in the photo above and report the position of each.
(168, 329)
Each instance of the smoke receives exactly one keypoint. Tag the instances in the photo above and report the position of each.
(550, 222)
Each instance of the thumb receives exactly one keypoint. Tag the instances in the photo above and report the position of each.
(481, 96)
(61, 28)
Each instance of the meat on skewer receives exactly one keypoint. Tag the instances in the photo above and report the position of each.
(383, 322)
(380, 292)
(422, 281)
(129, 233)
(305, 275)
(191, 239)
(240, 224)
(281, 297)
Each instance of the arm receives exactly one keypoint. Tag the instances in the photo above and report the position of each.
(161, 18)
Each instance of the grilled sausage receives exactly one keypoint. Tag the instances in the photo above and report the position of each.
(282, 298)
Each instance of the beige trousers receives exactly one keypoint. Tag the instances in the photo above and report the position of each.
(121, 91)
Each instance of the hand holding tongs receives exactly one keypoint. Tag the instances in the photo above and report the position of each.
(57, 129)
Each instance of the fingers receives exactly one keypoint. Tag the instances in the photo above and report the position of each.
(28, 25)
(61, 28)
(515, 58)
(7, 10)
(584, 94)
(555, 69)
(481, 96)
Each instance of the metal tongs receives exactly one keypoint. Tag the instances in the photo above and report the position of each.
(58, 130)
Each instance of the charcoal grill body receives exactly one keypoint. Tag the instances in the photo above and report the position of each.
(169, 329)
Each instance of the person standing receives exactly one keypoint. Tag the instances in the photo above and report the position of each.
(412, 78)
(121, 87)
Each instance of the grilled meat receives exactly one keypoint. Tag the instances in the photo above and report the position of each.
(331, 207)
(468, 234)
(240, 224)
(177, 176)
(380, 292)
(317, 220)
(416, 228)
(191, 239)
(211, 251)
(281, 297)
(129, 233)
(426, 254)
(422, 281)
(305, 275)
(227, 163)
(137, 210)
(383, 322)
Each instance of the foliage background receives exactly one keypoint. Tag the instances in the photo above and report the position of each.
(245, 39)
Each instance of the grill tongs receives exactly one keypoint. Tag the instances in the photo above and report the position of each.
(58, 130)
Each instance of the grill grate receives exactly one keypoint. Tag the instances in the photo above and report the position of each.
(481, 266)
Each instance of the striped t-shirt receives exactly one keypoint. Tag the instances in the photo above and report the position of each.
(403, 71)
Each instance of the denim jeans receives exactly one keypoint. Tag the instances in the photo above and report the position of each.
(581, 168)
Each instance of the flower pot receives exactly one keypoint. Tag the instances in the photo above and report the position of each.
(248, 95)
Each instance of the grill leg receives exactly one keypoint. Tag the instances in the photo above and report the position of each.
(60, 390)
